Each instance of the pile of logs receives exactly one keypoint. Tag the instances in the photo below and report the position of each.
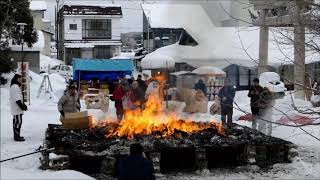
(91, 152)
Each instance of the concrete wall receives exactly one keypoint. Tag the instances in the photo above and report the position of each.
(47, 44)
(37, 19)
(87, 53)
(33, 57)
(77, 34)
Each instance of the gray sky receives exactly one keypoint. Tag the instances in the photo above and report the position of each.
(132, 12)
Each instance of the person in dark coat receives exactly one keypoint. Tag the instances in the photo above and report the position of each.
(201, 86)
(17, 106)
(254, 94)
(136, 166)
(226, 95)
(141, 83)
(138, 94)
(117, 96)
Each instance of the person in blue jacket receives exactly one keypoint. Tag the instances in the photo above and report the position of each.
(136, 166)
(226, 96)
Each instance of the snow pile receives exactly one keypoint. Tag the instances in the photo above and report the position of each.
(46, 61)
(271, 80)
(208, 70)
(37, 5)
(157, 61)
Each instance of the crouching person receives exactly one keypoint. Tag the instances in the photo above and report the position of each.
(136, 166)
(69, 102)
(17, 106)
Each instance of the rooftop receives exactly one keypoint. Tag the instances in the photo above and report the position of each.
(38, 6)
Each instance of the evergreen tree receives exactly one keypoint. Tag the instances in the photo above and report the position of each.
(13, 12)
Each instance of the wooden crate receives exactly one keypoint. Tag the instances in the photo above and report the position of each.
(80, 120)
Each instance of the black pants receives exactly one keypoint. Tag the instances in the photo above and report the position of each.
(226, 113)
(17, 122)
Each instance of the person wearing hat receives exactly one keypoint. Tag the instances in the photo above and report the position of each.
(69, 102)
(254, 93)
(17, 106)
(136, 166)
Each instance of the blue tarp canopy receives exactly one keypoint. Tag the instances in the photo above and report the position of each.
(87, 69)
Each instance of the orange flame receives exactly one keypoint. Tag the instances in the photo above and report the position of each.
(153, 120)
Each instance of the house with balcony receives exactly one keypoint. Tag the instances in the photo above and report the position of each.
(89, 31)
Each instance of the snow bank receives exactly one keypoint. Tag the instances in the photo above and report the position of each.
(45, 61)
(9, 173)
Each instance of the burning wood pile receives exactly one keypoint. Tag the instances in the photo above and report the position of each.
(171, 143)
(90, 151)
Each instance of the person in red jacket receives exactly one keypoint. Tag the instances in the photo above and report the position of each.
(118, 94)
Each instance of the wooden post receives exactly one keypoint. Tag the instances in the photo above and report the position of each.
(299, 51)
(263, 44)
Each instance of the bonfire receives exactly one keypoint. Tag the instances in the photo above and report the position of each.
(153, 119)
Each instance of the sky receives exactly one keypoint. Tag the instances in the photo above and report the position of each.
(132, 12)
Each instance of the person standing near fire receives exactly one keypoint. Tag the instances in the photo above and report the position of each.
(17, 106)
(254, 93)
(226, 95)
(69, 102)
(265, 103)
(117, 96)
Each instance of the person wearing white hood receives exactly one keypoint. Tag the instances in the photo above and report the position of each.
(153, 87)
(17, 106)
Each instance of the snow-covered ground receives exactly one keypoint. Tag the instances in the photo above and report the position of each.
(43, 111)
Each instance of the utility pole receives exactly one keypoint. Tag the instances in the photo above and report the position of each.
(263, 44)
(57, 27)
(299, 51)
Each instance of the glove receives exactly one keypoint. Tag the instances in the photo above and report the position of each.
(21, 105)
(62, 113)
(25, 107)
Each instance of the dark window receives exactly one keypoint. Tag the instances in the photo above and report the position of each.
(102, 52)
(96, 28)
(73, 26)
(187, 40)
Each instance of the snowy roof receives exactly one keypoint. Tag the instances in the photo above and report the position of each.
(180, 73)
(101, 4)
(38, 46)
(223, 46)
(38, 5)
(208, 70)
(157, 62)
(90, 44)
(175, 15)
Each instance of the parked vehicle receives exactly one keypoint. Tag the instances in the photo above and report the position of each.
(63, 70)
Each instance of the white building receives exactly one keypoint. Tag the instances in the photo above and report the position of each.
(89, 31)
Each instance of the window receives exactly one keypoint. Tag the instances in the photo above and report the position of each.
(73, 26)
(55, 67)
(187, 40)
(102, 52)
(96, 28)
